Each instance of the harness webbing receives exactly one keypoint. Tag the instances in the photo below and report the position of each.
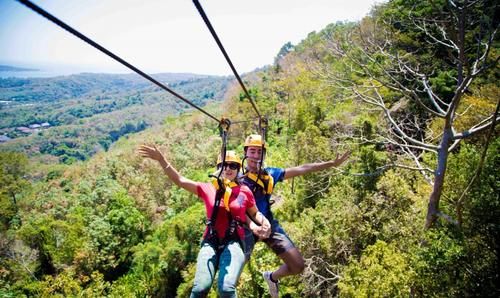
(264, 180)
(212, 233)
(231, 232)
(227, 190)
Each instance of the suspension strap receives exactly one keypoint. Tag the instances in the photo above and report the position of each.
(263, 122)
(212, 233)
(224, 125)
(219, 184)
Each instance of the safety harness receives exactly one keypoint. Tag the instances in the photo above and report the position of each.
(223, 194)
(224, 190)
(264, 180)
(261, 180)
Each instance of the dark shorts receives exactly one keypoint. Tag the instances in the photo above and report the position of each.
(278, 241)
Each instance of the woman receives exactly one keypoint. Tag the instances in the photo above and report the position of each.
(222, 246)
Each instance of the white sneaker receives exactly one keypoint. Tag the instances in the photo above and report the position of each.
(273, 286)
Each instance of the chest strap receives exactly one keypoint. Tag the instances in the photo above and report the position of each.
(231, 231)
(228, 186)
(265, 181)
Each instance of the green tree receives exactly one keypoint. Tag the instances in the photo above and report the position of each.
(383, 271)
(13, 171)
(416, 61)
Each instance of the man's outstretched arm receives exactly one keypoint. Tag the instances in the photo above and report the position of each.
(314, 167)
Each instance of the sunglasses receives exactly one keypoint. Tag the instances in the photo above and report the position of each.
(232, 166)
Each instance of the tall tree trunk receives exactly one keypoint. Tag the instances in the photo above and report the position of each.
(433, 207)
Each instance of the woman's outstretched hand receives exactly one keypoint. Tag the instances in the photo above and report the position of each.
(150, 152)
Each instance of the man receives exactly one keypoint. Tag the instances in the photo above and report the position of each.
(262, 187)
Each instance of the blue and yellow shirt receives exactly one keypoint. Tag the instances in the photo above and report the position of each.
(262, 188)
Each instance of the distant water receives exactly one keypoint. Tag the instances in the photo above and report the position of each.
(36, 74)
(26, 70)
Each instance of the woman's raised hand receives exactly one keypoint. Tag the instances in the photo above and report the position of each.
(150, 152)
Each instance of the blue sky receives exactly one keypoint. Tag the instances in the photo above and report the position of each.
(164, 35)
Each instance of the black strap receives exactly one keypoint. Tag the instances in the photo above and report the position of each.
(231, 231)
(224, 125)
(211, 222)
(263, 122)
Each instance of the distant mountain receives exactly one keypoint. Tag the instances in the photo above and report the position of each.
(67, 87)
(14, 68)
(88, 112)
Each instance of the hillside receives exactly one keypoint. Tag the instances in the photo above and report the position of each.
(86, 113)
(85, 84)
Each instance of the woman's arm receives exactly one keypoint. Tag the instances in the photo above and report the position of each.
(178, 179)
(254, 217)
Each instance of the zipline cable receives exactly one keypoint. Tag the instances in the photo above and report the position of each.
(221, 47)
(60, 23)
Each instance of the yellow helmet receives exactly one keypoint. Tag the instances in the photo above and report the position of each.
(231, 156)
(255, 141)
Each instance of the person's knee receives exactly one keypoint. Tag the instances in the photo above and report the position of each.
(297, 266)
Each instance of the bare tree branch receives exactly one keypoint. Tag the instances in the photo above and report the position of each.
(444, 40)
(379, 102)
(475, 130)
(480, 166)
(431, 96)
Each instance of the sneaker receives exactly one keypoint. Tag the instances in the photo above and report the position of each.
(273, 286)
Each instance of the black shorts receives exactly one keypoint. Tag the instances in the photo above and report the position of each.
(278, 241)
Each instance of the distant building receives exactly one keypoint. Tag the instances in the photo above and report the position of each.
(24, 129)
(34, 126)
(45, 125)
(4, 138)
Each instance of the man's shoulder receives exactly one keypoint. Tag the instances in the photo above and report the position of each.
(274, 169)
(275, 172)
